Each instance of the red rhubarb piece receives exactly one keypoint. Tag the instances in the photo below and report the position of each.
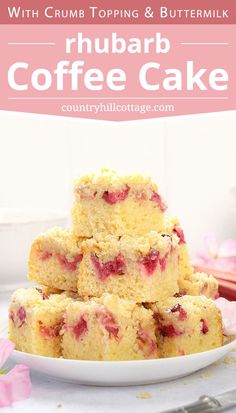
(163, 262)
(112, 197)
(52, 331)
(204, 326)
(80, 328)
(113, 267)
(46, 331)
(69, 265)
(159, 201)
(43, 294)
(45, 255)
(21, 316)
(169, 331)
(109, 322)
(150, 261)
(146, 343)
(11, 316)
(179, 309)
(180, 234)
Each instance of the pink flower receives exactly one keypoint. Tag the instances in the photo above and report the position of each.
(228, 312)
(219, 256)
(16, 384)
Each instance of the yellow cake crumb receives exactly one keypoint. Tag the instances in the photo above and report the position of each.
(216, 363)
(144, 395)
(205, 375)
(229, 360)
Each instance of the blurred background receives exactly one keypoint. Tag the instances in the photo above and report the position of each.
(193, 160)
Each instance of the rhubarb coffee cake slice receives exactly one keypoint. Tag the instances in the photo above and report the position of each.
(109, 328)
(187, 325)
(111, 204)
(189, 282)
(36, 317)
(143, 269)
(55, 258)
(172, 226)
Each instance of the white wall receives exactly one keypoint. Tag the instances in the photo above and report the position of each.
(192, 158)
(201, 174)
(126, 147)
(33, 165)
(40, 155)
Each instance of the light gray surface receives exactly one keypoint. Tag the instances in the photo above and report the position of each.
(51, 396)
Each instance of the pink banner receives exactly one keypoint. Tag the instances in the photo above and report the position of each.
(118, 72)
(118, 12)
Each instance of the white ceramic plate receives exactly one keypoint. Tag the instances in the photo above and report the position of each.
(120, 373)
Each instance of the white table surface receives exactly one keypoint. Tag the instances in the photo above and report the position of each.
(49, 395)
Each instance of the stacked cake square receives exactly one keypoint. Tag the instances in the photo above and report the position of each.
(118, 284)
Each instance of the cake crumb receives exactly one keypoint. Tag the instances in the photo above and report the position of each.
(144, 395)
(205, 375)
(216, 363)
(229, 360)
